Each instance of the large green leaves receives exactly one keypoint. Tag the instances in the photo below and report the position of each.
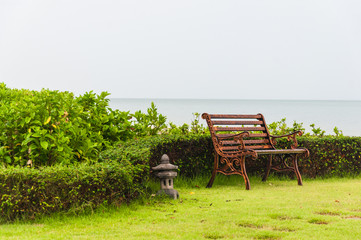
(56, 127)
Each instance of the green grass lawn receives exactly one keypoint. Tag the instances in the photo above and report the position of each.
(276, 209)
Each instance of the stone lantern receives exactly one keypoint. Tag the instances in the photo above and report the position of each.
(166, 174)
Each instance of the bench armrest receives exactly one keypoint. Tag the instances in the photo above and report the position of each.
(290, 137)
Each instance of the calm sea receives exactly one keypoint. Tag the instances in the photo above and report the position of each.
(346, 115)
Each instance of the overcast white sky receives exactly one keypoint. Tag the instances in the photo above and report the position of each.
(259, 49)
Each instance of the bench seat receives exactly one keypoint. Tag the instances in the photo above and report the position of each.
(281, 151)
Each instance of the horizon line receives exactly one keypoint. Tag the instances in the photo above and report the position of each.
(243, 99)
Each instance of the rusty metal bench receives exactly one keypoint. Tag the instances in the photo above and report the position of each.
(237, 137)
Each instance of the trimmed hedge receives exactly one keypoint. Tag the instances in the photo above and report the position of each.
(122, 172)
(192, 153)
(27, 192)
(329, 156)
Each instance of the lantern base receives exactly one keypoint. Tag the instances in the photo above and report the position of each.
(170, 192)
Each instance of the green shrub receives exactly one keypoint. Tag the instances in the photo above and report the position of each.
(150, 123)
(49, 127)
(27, 192)
(281, 128)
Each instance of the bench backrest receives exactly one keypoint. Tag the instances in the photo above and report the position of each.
(225, 125)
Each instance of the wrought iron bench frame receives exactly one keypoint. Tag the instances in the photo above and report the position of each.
(239, 142)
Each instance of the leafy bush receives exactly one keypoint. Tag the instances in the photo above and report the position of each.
(149, 124)
(48, 127)
(281, 128)
(195, 128)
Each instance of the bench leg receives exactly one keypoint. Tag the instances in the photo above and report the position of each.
(297, 172)
(210, 183)
(268, 169)
(244, 173)
(214, 172)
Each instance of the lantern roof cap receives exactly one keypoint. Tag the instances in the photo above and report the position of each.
(164, 164)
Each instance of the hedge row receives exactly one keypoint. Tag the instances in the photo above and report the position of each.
(26, 193)
(192, 153)
(122, 172)
(329, 156)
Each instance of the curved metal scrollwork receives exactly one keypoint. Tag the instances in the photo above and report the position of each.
(282, 165)
(290, 137)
